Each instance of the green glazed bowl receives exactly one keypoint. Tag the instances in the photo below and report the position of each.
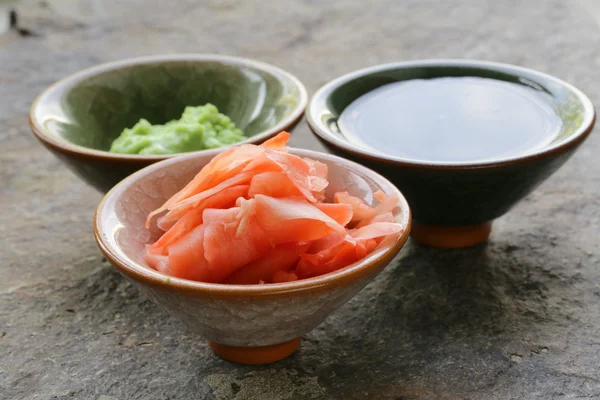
(78, 117)
(454, 203)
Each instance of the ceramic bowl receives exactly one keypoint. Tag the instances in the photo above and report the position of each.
(249, 324)
(454, 203)
(78, 117)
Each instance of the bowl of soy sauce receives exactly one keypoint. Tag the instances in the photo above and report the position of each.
(463, 140)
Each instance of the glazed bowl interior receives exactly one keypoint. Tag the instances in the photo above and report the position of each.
(88, 110)
(572, 106)
(121, 233)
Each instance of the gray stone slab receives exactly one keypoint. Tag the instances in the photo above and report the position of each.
(518, 318)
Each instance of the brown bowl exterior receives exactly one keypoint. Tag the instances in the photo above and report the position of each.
(236, 315)
(454, 197)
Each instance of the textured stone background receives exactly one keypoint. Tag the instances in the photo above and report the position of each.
(518, 318)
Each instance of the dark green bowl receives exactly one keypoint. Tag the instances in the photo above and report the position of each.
(454, 203)
(78, 117)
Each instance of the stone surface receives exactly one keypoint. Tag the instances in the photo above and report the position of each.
(518, 318)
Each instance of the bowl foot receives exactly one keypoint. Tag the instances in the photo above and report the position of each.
(450, 237)
(255, 355)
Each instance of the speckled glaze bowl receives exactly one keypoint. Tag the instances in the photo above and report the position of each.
(78, 117)
(454, 203)
(251, 324)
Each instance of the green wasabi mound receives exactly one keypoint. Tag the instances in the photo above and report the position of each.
(199, 128)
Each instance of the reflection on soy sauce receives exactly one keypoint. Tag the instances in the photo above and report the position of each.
(452, 119)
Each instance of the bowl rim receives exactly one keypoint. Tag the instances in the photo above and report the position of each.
(326, 135)
(66, 146)
(141, 273)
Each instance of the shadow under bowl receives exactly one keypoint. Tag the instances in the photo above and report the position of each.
(454, 203)
(250, 324)
(78, 117)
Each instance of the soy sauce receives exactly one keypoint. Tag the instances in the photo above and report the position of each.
(454, 119)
